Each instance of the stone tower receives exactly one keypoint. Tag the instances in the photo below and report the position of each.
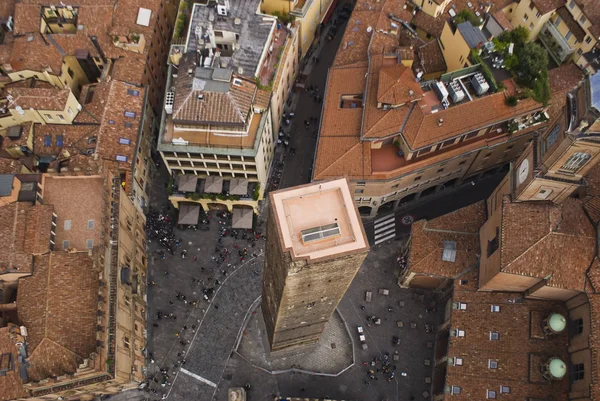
(315, 246)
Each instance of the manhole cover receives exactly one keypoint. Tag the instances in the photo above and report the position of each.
(407, 220)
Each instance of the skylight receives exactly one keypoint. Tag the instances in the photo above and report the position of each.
(317, 233)
(449, 253)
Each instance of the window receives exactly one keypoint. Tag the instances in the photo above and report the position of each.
(551, 138)
(504, 390)
(47, 140)
(130, 114)
(470, 135)
(492, 364)
(449, 142)
(462, 162)
(67, 225)
(493, 243)
(127, 124)
(460, 333)
(572, 4)
(577, 372)
(531, 5)
(133, 92)
(576, 161)
(568, 35)
(582, 19)
(531, 25)
(460, 306)
(557, 21)
(538, 14)
(49, 117)
(89, 243)
(61, 117)
(126, 342)
(111, 122)
(441, 170)
(124, 141)
(218, 34)
(458, 361)
(359, 191)
(577, 325)
(121, 158)
(90, 224)
(491, 394)
(495, 308)
(588, 39)
(494, 335)
(417, 178)
(525, 18)
(360, 183)
(487, 156)
(455, 390)
(59, 140)
(70, 72)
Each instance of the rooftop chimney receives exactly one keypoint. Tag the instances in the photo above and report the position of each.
(440, 122)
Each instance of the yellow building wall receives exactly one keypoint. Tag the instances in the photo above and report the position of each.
(455, 49)
(70, 64)
(310, 22)
(527, 17)
(65, 117)
(286, 74)
(41, 75)
(430, 7)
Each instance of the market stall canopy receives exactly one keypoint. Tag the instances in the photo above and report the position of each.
(188, 213)
(242, 217)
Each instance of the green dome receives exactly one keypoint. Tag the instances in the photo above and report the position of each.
(557, 368)
(557, 322)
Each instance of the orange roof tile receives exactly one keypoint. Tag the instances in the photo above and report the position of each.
(428, 237)
(540, 238)
(58, 305)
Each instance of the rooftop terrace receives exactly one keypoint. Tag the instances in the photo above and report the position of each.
(311, 232)
(251, 32)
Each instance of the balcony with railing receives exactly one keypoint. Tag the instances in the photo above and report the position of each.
(558, 47)
(300, 7)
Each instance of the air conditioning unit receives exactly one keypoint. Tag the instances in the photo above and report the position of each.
(222, 10)
(169, 101)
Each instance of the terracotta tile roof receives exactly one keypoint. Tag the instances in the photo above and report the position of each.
(573, 25)
(337, 121)
(377, 122)
(78, 199)
(592, 12)
(423, 129)
(218, 105)
(503, 20)
(428, 237)
(562, 80)
(477, 5)
(7, 8)
(24, 231)
(11, 386)
(594, 300)
(546, 6)
(10, 166)
(39, 99)
(518, 352)
(395, 83)
(35, 55)
(58, 306)
(430, 58)
(429, 24)
(540, 238)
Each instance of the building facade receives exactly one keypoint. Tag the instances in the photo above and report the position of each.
(312, 257)
(226, 155)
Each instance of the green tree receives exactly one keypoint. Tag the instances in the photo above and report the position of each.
(467, 16)
(533, 62)
(519, 36)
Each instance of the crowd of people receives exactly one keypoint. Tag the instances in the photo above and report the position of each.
(208, 271)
